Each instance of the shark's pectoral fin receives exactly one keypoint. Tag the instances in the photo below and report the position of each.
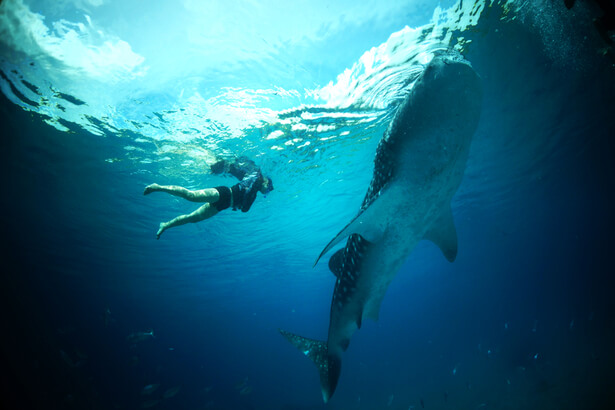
(336, 262)
(329, 366)
(443, 233)
(366, 223)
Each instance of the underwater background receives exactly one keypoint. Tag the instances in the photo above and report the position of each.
(101, 98)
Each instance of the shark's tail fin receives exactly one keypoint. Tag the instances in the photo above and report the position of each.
(329, 366)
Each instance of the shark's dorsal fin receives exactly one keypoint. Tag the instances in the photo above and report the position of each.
(442, 232)
(366, 224)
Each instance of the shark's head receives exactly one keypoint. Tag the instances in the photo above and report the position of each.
(445, 96)
(445, 66)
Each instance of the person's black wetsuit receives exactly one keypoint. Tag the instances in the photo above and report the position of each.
(241, 195)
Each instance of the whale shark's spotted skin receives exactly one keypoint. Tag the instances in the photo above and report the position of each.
(349, 259)
(384, 167)
(350, 266)
(418, 167)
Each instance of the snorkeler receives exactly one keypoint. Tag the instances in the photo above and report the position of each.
(239, 196)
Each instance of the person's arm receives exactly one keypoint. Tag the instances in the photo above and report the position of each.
(243, 167)
(219, 167)
(236, 171)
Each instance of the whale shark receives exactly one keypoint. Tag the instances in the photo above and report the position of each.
(418, 167)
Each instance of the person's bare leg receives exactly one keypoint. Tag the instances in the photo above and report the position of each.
(204, 212)
(210, 195)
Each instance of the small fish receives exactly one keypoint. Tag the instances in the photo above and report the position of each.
(535, 325)
(571, 324)
(107, 319)
(149, 403)
(65, 330)
(137, 337)
(241, 384)
(67, 358)
(245, 390)
(506, 325)
(391, 397)
(149, 389)
(172, 392)
(82, 359)
(445, 397)
(422, 404)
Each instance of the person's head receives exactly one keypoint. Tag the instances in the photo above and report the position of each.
(266, 185)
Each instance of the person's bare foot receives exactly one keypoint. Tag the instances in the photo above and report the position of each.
(151, 188)
(161, 229)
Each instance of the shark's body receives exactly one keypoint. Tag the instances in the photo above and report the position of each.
(418, 167)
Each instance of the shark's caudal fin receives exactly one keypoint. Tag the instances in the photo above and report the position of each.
(329, 366)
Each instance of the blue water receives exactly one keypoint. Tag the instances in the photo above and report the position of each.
(100, 99)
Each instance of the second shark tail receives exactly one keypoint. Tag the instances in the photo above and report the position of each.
(329, 366)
